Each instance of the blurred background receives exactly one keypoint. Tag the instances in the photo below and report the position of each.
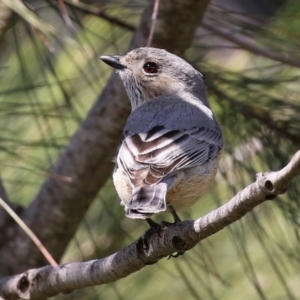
(249, 54)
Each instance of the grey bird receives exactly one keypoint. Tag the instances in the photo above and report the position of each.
(171, 144)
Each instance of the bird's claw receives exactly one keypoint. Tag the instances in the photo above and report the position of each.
(148, 233)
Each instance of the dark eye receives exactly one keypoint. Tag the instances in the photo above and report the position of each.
(150, 67)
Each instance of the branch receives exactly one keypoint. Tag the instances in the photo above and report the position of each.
(153, 19)
(63, 204)
(49, 281)
(5, 219)
(248, 44)
(29, 232)
(3, 195)
(261, 114)
(92, 10)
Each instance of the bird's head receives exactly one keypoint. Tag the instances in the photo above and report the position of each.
(148, 73)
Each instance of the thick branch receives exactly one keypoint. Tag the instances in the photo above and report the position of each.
(49, 281)
(59, 206)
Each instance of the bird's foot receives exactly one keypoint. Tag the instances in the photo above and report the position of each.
(143, 242)
(157, 228)
(154, 228)
(166, 224)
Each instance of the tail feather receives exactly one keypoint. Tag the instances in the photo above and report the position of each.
(147, 201)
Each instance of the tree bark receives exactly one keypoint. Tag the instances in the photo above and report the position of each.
(48, 281)
(59, 207)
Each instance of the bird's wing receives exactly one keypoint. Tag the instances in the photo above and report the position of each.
(149, 157)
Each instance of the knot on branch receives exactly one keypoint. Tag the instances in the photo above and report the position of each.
(179, 244)
(267, 182)
(23, 284)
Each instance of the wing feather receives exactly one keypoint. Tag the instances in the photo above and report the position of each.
(149, 157)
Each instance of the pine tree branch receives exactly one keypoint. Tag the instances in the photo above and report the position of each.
(48, 281)
(92, 10)
(259, 113)
(250, 45)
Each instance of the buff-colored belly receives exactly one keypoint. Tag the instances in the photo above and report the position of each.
(191, 186)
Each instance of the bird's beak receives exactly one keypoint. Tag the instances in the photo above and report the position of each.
(113, 61)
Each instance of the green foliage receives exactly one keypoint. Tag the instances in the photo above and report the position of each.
(47, 86)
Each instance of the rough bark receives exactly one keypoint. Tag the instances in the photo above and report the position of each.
(49, 281)
(59, 207)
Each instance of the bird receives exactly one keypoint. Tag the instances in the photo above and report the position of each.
(172, 143)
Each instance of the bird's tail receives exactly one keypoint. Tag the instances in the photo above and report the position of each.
(147, 200)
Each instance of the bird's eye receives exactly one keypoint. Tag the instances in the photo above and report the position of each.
(150, 67)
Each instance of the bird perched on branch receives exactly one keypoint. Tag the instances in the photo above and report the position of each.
(171, 143)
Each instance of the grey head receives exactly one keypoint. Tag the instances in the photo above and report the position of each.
(148, 73)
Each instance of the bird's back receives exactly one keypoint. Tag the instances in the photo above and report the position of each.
(169, 155)
(175, 112)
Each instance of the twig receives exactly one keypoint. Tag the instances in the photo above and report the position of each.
(65, 15)
(182, 237)
(100, 13)
(38, 172)
(153, 20)
(3, 193)
(249, 45)
(29, 232)
(258, 113)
